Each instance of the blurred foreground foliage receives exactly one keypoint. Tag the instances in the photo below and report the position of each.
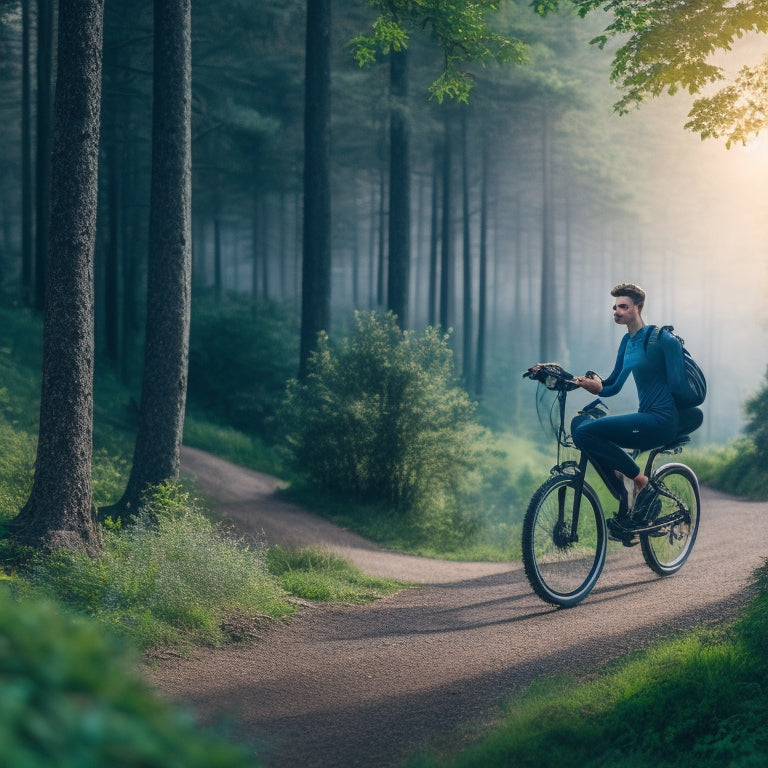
(72, 699)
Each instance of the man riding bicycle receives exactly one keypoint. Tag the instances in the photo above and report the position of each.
(657, 370)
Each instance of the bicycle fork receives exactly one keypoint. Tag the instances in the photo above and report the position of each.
(570, 534)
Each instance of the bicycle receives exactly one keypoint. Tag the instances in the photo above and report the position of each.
(565, 536)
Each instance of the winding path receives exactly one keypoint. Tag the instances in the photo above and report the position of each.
(348, 686)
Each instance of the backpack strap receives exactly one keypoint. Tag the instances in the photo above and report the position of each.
(655, 332)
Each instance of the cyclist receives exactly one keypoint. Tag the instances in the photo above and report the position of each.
(653, 367)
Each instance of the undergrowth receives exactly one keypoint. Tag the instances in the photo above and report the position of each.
(173, 578)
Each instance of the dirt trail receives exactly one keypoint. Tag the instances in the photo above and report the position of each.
(365, 686)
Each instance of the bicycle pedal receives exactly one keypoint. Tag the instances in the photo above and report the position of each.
(617, 532)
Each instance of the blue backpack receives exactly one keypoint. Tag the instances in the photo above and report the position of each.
(695, 390)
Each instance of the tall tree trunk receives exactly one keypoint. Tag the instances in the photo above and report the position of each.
(372, 241)
(256, 252)
(446, 261)
(399, 189)
(466, 337)
(265, 220)
(45, 16)
(27, 273)
(218, 269)
(549, 318)
(316, 268)
(112, 314)
(382, 238)
(434, 239)
(59, 511)
(156, 455)
(482, 301)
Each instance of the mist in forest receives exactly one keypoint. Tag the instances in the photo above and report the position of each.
(634, 198)
(538, 155)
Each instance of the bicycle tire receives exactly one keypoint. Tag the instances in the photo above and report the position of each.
(561, 572)
(666, 552)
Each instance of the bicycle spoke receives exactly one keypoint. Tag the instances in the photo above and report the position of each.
(563, 564)
(666, 550)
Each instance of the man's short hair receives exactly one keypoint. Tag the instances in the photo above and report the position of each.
(635, 292)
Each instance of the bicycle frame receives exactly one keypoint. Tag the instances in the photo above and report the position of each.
(579, 470)
(565, 531)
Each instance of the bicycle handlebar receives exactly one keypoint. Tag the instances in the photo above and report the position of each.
(552, 376)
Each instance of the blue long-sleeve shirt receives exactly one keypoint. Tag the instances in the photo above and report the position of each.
(657, 369)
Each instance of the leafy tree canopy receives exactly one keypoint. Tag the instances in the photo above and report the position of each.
(668, 45)
(461, 30)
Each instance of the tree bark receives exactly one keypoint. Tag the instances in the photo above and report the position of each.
(466, 313)
(548, 339)
(446, 243)
(316, 268)
(482, 300)
(26, 159)
(166, 347)
(434, 239)
(399, 190)
(59, 511)
(45, 16)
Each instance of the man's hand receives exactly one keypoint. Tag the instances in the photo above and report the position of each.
(591, 382)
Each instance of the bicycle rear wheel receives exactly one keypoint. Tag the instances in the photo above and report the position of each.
(563, 565)
(665, 551)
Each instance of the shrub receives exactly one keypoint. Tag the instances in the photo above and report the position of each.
(739, 467)
(70, 701)
(171, 578)
(382, 420)
(756, 409)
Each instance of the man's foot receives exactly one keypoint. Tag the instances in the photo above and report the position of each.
(647, 505)
(621, 528)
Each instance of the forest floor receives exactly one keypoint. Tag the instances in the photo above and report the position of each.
(345, 686)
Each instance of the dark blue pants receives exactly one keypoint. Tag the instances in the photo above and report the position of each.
(604, 440)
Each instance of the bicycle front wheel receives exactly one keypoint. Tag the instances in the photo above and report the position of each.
(666, 550)
(563, 545)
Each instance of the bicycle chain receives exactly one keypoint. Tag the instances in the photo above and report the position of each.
(664, 491)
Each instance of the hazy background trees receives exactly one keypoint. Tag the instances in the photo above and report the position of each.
(570, 199)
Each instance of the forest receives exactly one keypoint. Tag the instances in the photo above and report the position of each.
(524, 205)
(340, 232)
(484, 183)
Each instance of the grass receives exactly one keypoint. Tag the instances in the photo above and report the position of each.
(173, 578)
(734, 468)
(697, 700)
(315, 574)
(72, 698)
(233, 445)
(177, 578)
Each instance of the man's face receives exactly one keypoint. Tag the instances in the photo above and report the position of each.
(625, 311)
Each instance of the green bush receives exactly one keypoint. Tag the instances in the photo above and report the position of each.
(240, 357)
(69, 700)
(756, 410)
(381, 420)
(173, 578)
